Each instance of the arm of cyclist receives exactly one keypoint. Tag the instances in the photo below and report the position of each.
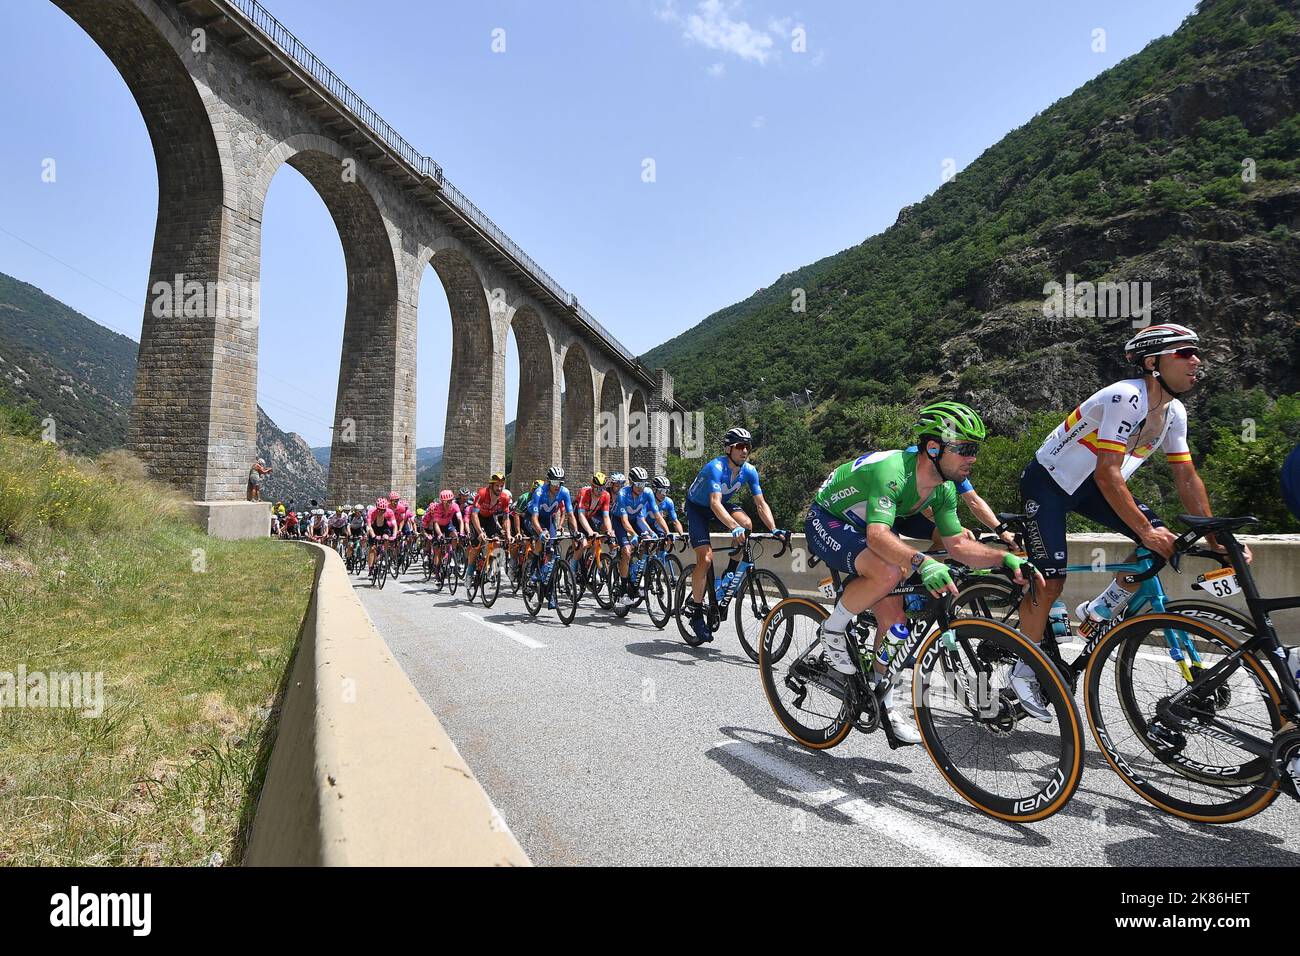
(1191, 492)
(715, 502)
(1114, 489)
(981, 510)
(764, 511)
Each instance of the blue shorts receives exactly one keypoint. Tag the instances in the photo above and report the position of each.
(620, 535)
(915, 526)
(834, 540)
(700, 518)
(1046, 504)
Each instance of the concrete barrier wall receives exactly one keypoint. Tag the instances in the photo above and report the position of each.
(1276, 568)
(362, 773)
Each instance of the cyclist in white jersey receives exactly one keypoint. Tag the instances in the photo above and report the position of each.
(1084, 465)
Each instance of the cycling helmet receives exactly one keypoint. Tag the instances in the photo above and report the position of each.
(358, 508)
(639, 476)
(661, 483)
(446, 495)
(496, 476)
(539, 482)
(598, 479)
(419, 512)
(736, 435)
(949, 421)
(1157, 338)
(381, 502)
(394, 495)
(617, 478)
(555, 474)
(463, 491)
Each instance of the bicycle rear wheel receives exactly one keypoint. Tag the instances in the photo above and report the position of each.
(997, 757)
(761, 592)
(600, 581)
(1184, 760)
(473, 580)
(815, 704)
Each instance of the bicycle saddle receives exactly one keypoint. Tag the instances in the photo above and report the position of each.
(1006, 517)
(1211, 525)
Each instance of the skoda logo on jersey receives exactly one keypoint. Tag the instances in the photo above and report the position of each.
(842, 493)
(1031, 507)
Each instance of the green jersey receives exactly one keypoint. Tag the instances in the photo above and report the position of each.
(878, 487)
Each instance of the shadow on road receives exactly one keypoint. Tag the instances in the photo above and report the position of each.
(877, 781)
(679, 652)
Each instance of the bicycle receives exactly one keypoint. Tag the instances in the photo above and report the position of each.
(382, 567)
(972, 724)
(760, 588)
(596, 571)
(1000, 600)
(653, 573)
(1215, 748)
(548, 577)
(485, 576)
(440, 565)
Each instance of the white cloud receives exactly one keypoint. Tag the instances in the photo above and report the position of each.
(714, 26)
(716, 69)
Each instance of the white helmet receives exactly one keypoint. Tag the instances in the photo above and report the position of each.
(1158, 338)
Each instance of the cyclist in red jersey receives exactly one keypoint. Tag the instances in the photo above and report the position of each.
(490, 505)
(592, 513)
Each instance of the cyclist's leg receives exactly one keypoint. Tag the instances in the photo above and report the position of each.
(1046, 505)
(698, 519)
(1092, 504)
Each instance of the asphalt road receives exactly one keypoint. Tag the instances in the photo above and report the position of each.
(611, 742)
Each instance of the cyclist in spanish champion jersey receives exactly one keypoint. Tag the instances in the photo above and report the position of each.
(851, 526)
(709, 497)
(1084, 465)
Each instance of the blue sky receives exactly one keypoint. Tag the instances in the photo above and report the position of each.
(766, 157)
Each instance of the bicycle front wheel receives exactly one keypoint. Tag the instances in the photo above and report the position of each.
(815, 704)
(1181, 757)
(532, 588)
(997, 757)
(565, 589)
(491, 583)
(761, 592)
(659, 594)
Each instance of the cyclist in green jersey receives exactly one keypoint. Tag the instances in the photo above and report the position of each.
(850, 526)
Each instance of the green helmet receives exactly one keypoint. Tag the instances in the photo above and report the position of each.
(950, 421)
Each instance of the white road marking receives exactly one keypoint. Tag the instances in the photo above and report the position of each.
(514, 635)
(813, 791)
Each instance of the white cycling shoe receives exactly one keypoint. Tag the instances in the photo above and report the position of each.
(836, 651)
(903, 728)
(1025, 685)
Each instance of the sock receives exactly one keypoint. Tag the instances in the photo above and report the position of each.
(839, 619)
(1112, 599)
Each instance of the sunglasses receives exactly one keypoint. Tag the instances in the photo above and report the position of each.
(967, 448)
(1187, 351)
(742, 444)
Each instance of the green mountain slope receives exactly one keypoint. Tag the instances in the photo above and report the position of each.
(1136, 176)
(67, 369)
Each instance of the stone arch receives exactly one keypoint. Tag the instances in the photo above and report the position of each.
(373, 446)
(613, 445)
(640, 446)
(578, 416)
(474, 439)
(181, 425)
(535, 418)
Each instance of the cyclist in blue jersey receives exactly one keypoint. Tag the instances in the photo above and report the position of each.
(666, 506)
(549, 502)
(630, 511)
(921, 525)
(710, 497)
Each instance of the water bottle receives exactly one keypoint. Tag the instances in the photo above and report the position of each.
(894, 640)
(1059, 618)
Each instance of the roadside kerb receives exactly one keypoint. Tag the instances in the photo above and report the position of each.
(362, 773)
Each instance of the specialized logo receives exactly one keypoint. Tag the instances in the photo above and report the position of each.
(1031, 507)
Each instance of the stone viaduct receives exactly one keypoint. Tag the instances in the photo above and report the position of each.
(229, 96)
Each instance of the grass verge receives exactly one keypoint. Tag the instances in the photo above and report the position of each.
(193, 637)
